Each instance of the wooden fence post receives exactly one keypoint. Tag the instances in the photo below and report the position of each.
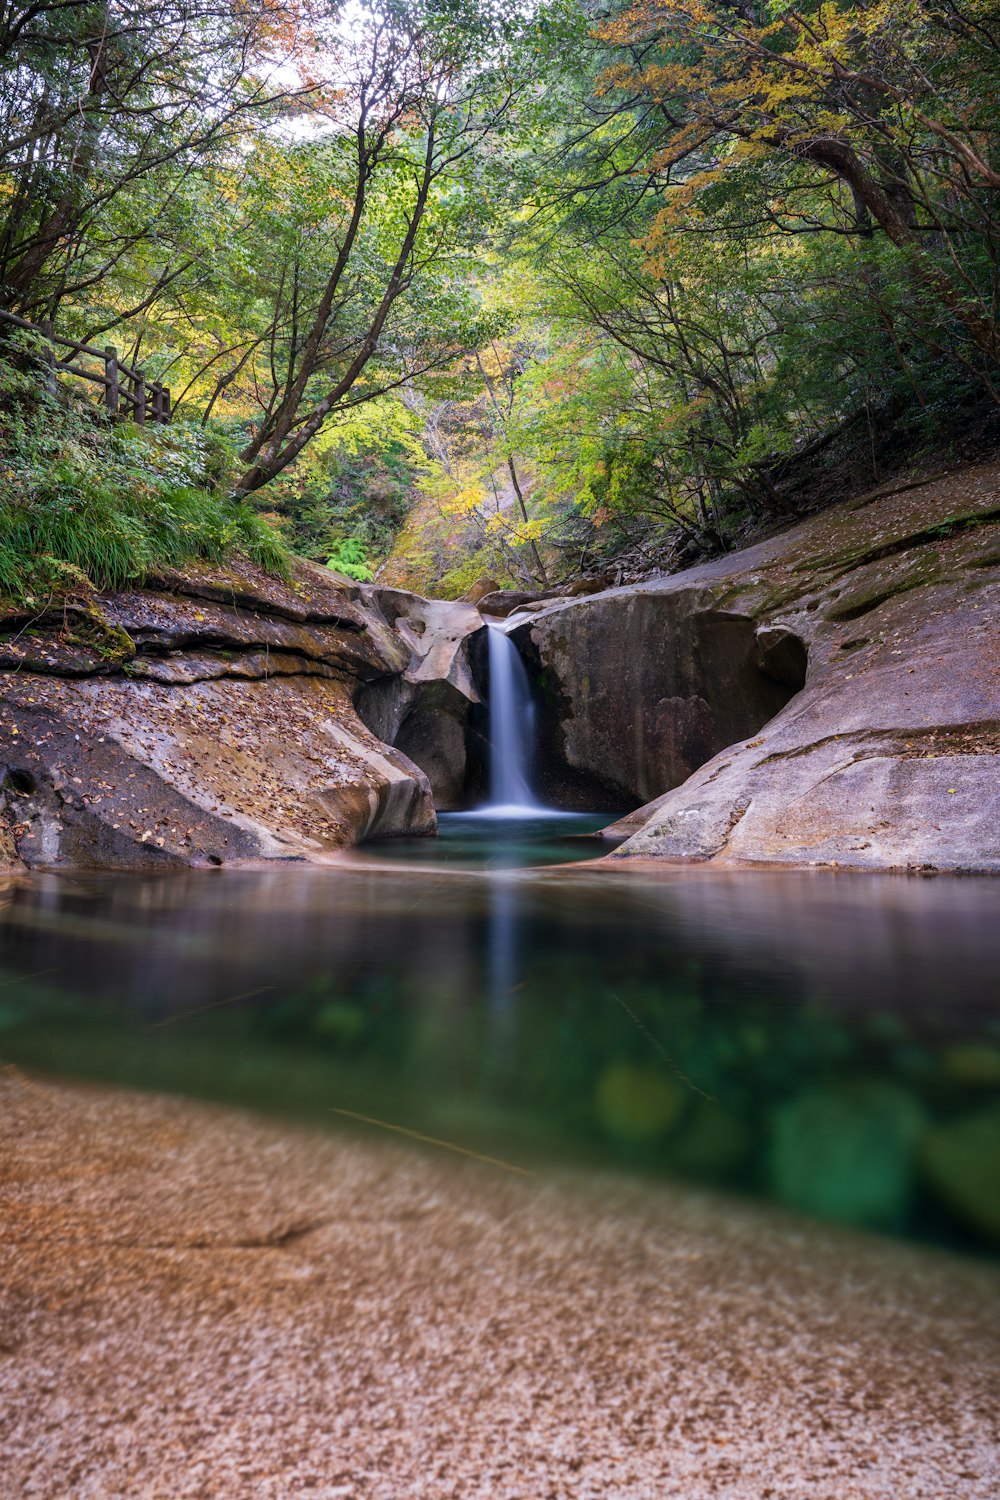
(50, 357)
(125, 388)
(111, 393)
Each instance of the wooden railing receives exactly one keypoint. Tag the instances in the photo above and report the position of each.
(126, 393)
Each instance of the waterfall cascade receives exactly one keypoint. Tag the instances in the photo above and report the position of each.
(512, 718)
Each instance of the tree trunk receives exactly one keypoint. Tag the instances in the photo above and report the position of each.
(839, 158)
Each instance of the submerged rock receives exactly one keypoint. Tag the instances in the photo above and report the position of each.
(973, 1064)
(637, 1103)
(846, 1152)
(203, 1303)
(961, 1162)
(711, 1144)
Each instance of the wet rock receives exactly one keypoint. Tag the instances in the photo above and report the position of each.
(973, 1063)
(711, 1144)
(9, 857)
(340, 1023)
(876, 621)
(204, 1304)
(225, 732)
(433, 735)
(782, 654)
(637, 688)
(637, 1103)
(424, 709)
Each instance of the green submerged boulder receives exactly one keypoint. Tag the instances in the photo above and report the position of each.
(846, 1151)
(637, 1103)
(960, 1161)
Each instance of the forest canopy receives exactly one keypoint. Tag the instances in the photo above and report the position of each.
(447, 290)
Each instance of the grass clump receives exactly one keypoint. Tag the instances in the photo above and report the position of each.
(84, 502)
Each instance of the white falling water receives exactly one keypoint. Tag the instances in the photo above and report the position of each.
(512, 718)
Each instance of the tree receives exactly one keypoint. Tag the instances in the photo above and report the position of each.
(890, 101)
(98, 97)
(421, 94)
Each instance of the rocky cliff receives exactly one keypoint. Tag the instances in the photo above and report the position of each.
(204, 719)
(830, 696)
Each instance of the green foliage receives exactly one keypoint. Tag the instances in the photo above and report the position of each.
(707, 327)
(353, 486)
(83, 504)
(349, 557)
(569, 283)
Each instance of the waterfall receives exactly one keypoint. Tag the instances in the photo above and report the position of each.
(512, 719)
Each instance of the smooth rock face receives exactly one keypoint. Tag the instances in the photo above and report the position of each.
(641, 688)
(204, 721)
(830, 696)
(424, 711)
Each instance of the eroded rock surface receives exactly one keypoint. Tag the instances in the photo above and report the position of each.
(830, 696)
(639, 687)
(204, 719)
(424, 710)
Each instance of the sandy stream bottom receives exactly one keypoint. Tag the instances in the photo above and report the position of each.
(201, 1303)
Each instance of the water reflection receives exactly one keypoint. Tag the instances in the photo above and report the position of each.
(829, 1041)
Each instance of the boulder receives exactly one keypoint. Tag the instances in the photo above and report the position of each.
(638, 688)
(500, 602)
(577, 587)
(712, 1145)
(961, 1164)
(424, 709)
(846, 1151)
(480, 589)
(503, 602)
(830, 696)
(635, 1103)
(206, 720)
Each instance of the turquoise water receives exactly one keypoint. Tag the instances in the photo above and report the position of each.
(828, 1042)
(479, 840)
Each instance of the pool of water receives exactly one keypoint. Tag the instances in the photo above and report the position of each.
(826, 1041)
(486, 840)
